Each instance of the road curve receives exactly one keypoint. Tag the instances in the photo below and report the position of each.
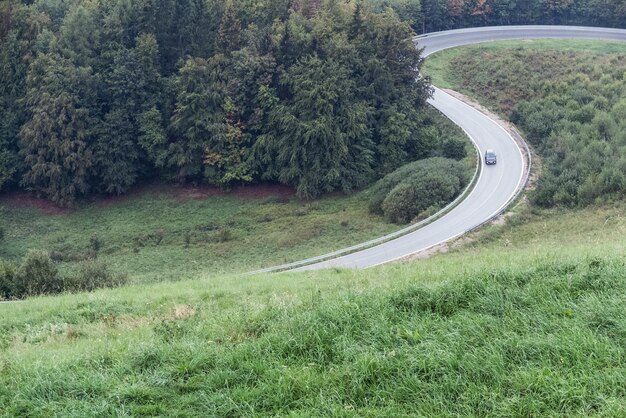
(496, 186)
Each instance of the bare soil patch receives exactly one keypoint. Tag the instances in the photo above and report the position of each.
(24, 200)
(263, 191)
(182, 193)
(186, 192)
(442, 248)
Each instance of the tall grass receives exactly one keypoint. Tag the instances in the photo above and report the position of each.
(527, 319)
(539, 339)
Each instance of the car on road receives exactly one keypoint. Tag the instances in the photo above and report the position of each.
(490, 157)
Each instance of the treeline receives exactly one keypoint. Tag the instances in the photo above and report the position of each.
(436, 15)
(98, 95)
(324, 95)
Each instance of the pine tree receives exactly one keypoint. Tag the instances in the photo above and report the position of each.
(198, 117)
(20, 28)
(226, 155)
(311, 7)
(132, 86)
(356, 27)
(116, 153)
(57, 139)
(321, 140)
(229, 34)
(12, 113)
(152, 137)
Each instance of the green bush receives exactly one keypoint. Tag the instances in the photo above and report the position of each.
(417, 187)
(382, 188)
(400, 205)
(7, 279)
(409, 199)
(454, 149)
(37, 275)
(92, 275)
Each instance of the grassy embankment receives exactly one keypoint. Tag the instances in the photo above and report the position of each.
(570, 102)
(506, 328)
(587, 80)
(156, 237)
(527, 319)
(446, 68)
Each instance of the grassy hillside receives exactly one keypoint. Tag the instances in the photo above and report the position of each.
(446, 72)
(568, 97)
(513, 329)
(159, 236)
(526, 318)
(170, 233)
(522, 318)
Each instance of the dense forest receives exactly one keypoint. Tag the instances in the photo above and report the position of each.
(97, 95)
(323, 95)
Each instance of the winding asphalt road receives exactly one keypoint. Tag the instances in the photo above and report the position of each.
(497, 185)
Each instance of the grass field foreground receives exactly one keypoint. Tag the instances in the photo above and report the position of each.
(517, 329)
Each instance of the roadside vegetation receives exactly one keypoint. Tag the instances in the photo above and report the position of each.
(419, 189)
(569, 99)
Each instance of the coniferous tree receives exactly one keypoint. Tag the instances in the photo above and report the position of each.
(12, 114)
(229, 34)
(132, 84)
(57, 140)
(321, 134)
(198, 118)
(20, 30)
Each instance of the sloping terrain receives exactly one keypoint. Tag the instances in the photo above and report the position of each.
(523, 318)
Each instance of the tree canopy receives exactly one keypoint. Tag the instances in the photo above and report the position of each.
(322, 95)
(436, 15)
(98, 95)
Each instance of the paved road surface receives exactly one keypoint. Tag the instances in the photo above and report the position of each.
(497, 185)
(438, 41)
